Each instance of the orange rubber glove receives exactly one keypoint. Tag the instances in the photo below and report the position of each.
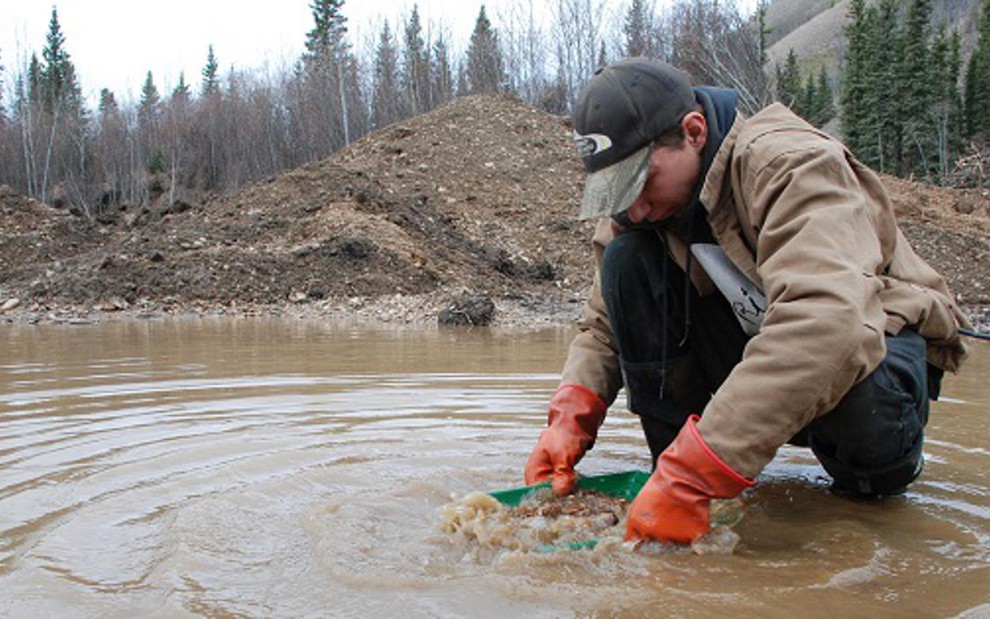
(575, 414)
(673, 505)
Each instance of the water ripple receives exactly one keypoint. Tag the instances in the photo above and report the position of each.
(292, 484)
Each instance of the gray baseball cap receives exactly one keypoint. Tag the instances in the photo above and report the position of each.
(620, 112)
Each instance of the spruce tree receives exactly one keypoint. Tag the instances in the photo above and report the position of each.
(824, 107)
(789, 88)
(808, 108)
(886, 89)
(484, 58)
(983, 76)
(59, 87)
(331, 70)
(857, 85)
(442, 85)
(385, 98)
(148, 107)
(181, 94)
(918, 96)
(35, 81)
(211, 80)
(763, 32)
(971, 107)
(956, 120)
(326, 43)
(416, 66)
(108, 104)
(329, 29)
(977, 103)
(945, 112)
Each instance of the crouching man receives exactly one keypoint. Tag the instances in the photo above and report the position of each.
(752, 289)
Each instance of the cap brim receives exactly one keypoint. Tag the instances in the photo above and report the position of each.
(613, 189)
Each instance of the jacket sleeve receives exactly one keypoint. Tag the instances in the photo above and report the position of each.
(817, 255)
(592, 359)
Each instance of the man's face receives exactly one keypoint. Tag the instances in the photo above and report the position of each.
(671, 179)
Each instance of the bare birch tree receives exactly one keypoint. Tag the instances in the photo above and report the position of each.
(711, 40)
(524, 48)
(578, 34)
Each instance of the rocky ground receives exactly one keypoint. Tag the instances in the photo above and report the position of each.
(467, 211)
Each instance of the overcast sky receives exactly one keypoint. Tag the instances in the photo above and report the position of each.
(114, 43)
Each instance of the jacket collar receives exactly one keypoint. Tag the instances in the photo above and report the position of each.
(722, 208)
(716, 176)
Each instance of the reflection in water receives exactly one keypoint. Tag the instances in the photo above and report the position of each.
(283, 469)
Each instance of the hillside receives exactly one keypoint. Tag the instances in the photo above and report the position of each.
(475, 197)
(814, 28)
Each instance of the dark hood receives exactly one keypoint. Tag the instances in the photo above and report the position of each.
(720, 111)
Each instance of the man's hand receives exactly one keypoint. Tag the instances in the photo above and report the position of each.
(673, 505)
(575, 414)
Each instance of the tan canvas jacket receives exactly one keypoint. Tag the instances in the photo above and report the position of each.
(835, 269)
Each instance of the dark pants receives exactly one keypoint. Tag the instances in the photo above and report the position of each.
(870, 443)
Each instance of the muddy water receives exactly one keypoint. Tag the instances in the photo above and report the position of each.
(244, 468)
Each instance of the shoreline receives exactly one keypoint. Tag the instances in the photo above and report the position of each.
(393, 311)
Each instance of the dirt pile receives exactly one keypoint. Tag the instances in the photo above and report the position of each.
(950, 229)
(476, 197)
(473, 200)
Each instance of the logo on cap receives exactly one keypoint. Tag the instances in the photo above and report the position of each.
(592, 143)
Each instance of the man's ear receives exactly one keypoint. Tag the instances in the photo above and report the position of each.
(695, 129)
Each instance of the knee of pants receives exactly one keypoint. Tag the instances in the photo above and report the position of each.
(871, 443)
(886, 479)
(876, 427)
(629, 251)
(878, 450)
